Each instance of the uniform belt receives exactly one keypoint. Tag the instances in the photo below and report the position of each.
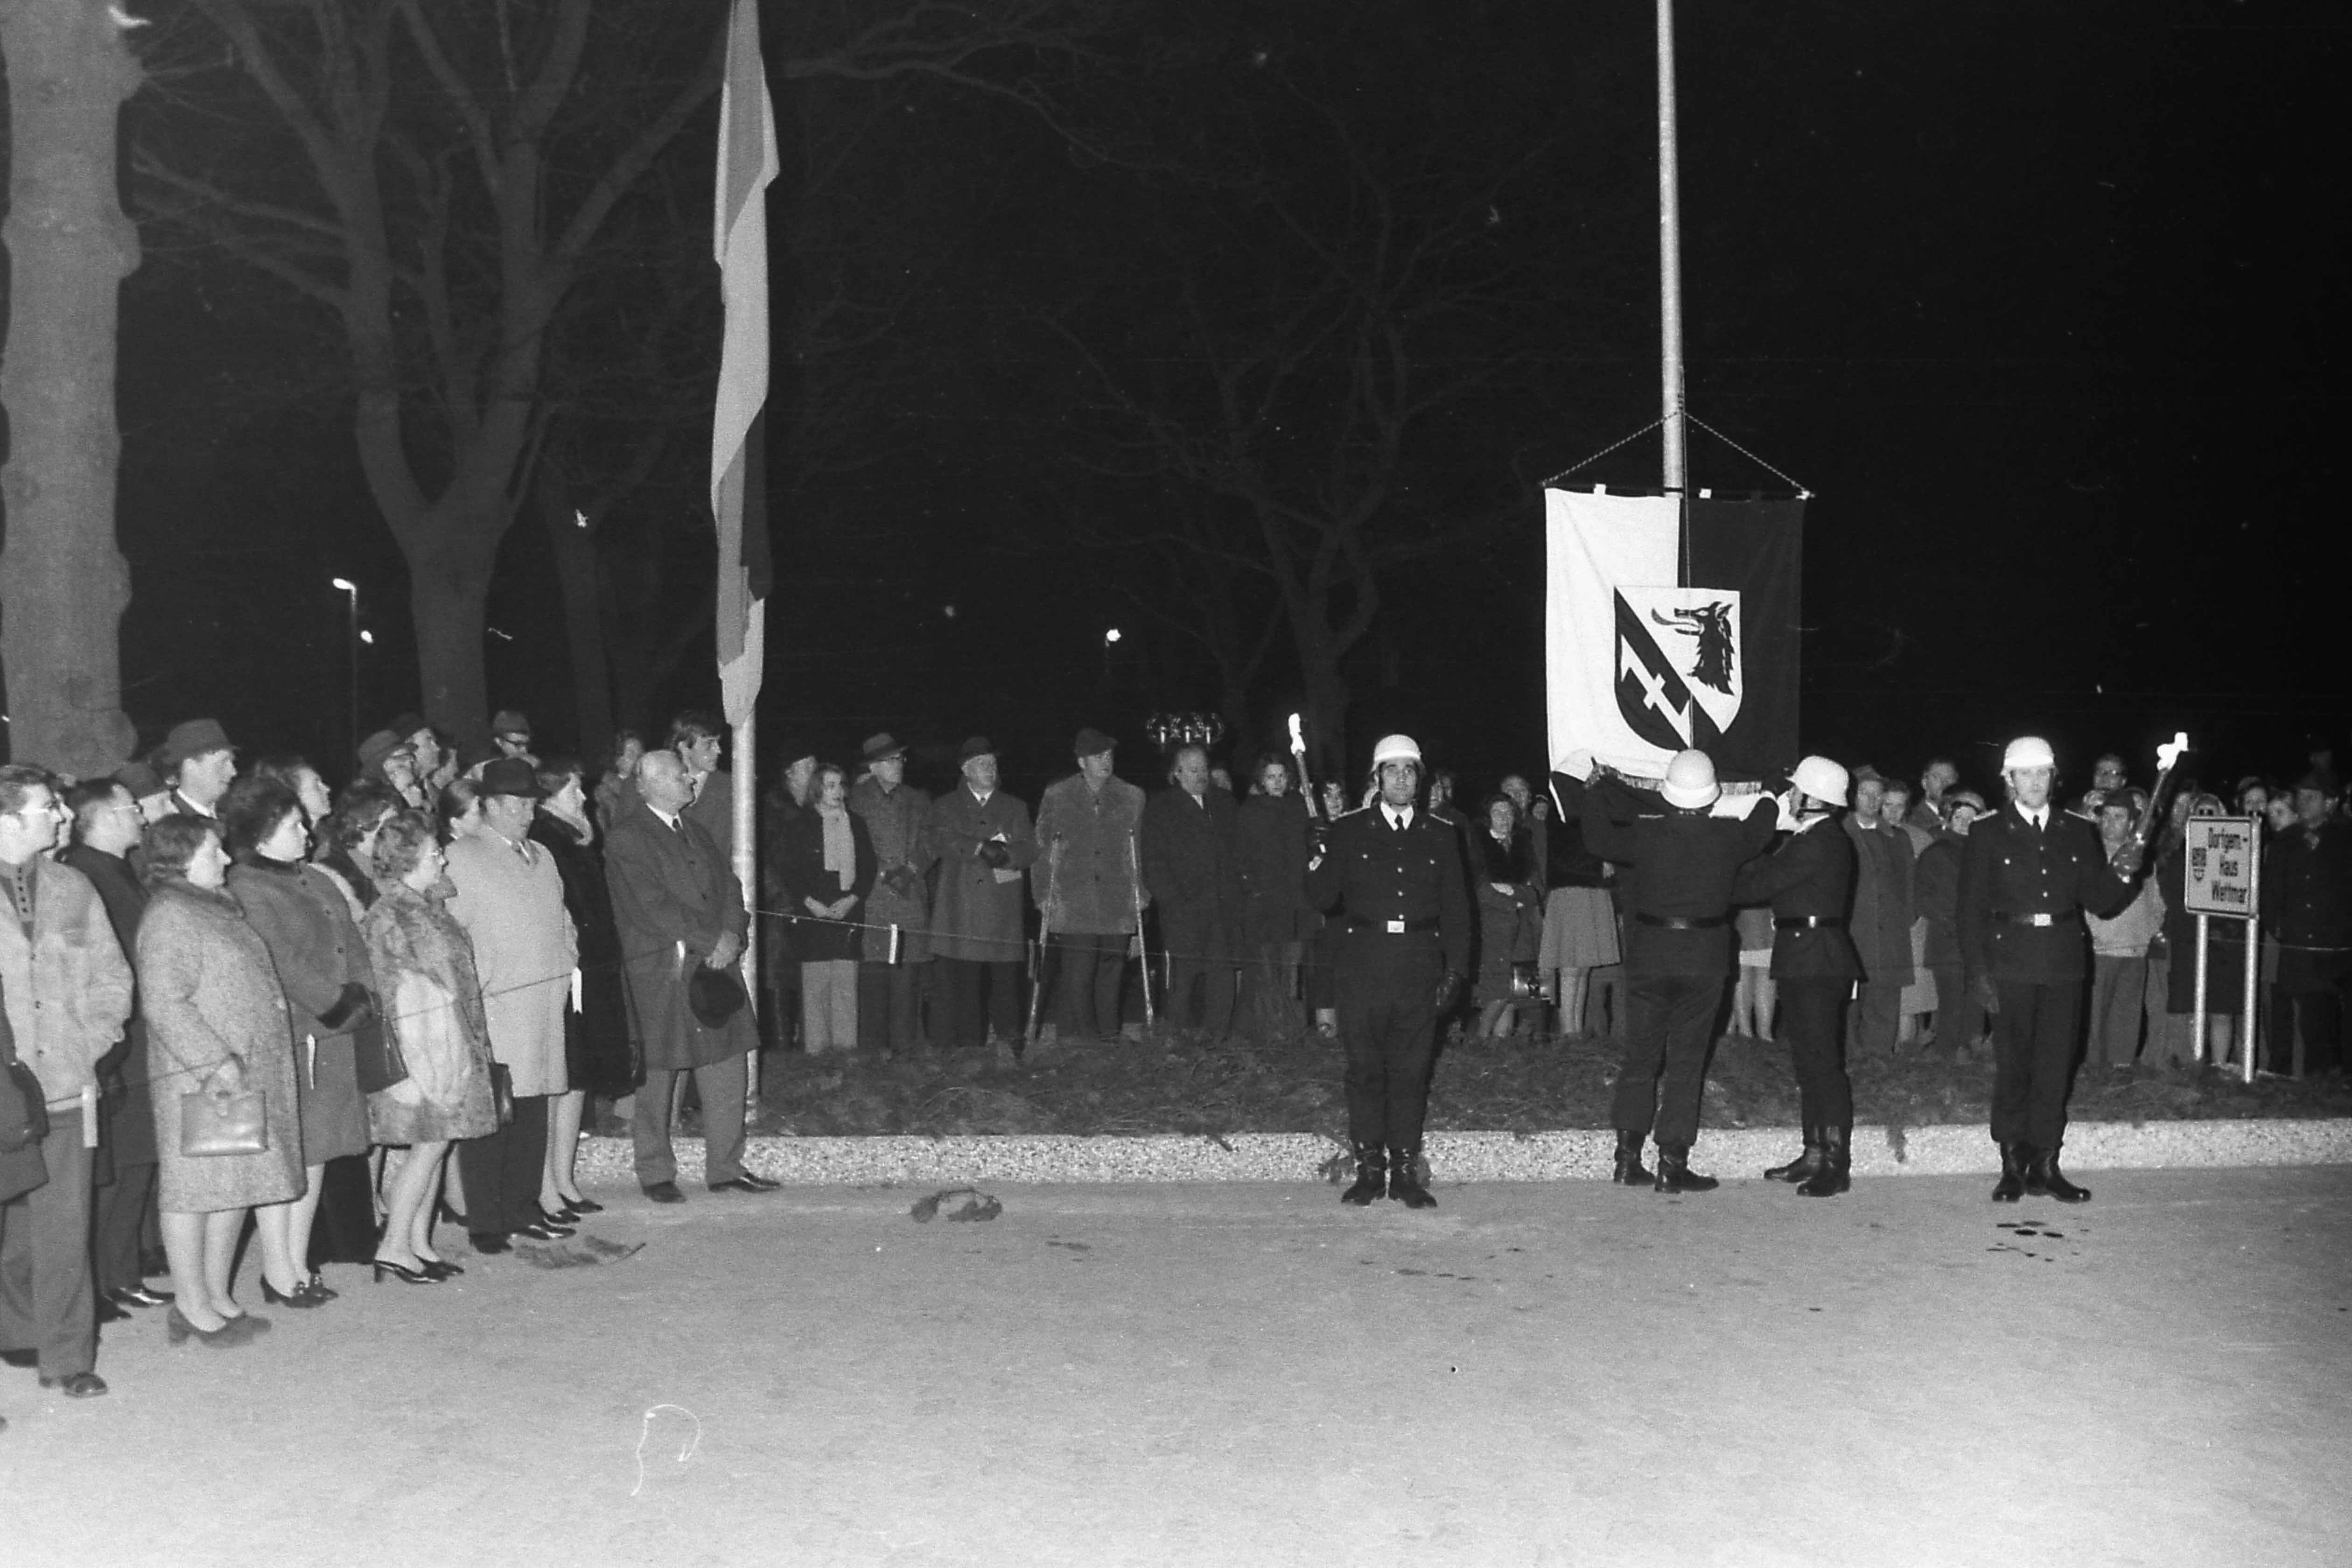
(1683, 922)
(1392, 927)
(1809, 922)
(2039, 918)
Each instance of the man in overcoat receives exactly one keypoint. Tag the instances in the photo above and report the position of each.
(1881, 920)
(2307, 902)
(1087, 884)
(890, 971)
(1393, 874)
(677, 904)
(1678, 950)
(1190, 871)
(984, 841)
(1809, 882)
(2027, 874)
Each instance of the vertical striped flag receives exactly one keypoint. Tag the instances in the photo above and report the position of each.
(747, 163)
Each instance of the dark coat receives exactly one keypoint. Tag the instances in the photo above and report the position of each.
(1370, 874)
(1683, 864)
(1882, 895)
(2008, 869)
(1935, 895)
(2307, 901)
(800, 862)
(673, 898)
(1811, 875)
(1270, 856)
(21, 1170)
(976, 915)
(1569, 862)
(600, 1050)
(1190, 872)
(126, 1122)
(895, 819)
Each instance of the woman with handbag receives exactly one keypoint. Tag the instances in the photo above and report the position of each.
(322, 966)
(220, 1051)
(435, 1026)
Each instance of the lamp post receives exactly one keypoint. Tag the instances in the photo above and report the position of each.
(347, 586)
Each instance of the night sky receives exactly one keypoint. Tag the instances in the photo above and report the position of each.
(2042, 303)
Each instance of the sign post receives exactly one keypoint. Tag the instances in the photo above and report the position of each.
(2222, 874)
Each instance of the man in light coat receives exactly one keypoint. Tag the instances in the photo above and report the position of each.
(511, 901)
(1087, 886)
(679, 906)
(68, 992)
(983, 838)
(898, 912)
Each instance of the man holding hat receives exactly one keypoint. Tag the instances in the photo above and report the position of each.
(983, 842)
(2027, 874)
(509, 898)
(1678, 950)
(1393, 873)
(1086, 886)
(199, 764)
(1809, 882)
(898, 912)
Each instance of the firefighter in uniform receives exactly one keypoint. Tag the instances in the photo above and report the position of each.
(2028, 872)
(1809, 882)
(1678, 955)
(1394, 874)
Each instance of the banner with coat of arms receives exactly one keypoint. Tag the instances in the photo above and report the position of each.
(1640, 667)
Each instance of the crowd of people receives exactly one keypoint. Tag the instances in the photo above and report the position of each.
(234, 1004)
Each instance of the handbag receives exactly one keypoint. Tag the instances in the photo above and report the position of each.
(24, 1109)
(502, 1092)
(214, 1123)
(376, 1058)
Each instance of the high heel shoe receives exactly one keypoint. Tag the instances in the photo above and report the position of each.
(178, 1330)
(403, 1272)
(318, 1287)
(584, 1206)
(440, 1267)
(300, 1296)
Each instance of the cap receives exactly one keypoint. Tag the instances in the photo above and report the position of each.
(881, 748)
(511, 776)
(1690, 781)
(1822, 778)
(510, 721)
(193, 739)
(1092, 742)
(378, 746)
(976, 746)
(1396, 749)
(2028, 752)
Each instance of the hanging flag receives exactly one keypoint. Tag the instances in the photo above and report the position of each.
(747, 163)
(1640, 665)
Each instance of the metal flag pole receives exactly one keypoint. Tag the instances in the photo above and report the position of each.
(745, 833)
(1670, 267)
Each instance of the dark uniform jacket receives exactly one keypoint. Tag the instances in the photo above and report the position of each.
(1567, 863)
(1683, 865)
(1373, 874)
(2307, 901)
(1811, 875)
(2008, 868)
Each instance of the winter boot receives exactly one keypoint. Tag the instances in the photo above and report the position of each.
(1837, 1159)
(1802, 1167)
(1404, 1177)
(2045, 1179)
(1629, 1172)
(1371, 1175)
(1674, 1174)
(2014, 1159)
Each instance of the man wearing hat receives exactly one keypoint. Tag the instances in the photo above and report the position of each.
(1809, 882)
(2028, 873)
(983, 842)
(509, 898)
(199, 764)
(679, 907)
(1678, 949)
(1086, 888)
(1393, 874)
(2307, 901)
(511, 733)
(898, 912)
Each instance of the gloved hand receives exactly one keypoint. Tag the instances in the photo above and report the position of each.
(1449, 991)
(995, 853)
(351, 1009)
(1987, 993)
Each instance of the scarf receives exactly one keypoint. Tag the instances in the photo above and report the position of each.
(840, 846)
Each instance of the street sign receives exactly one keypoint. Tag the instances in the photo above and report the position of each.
(2222, 867)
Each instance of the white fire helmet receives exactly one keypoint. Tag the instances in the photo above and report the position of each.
(1822, 778)
(1690, 781)
(1396, 749)
(2028, 752)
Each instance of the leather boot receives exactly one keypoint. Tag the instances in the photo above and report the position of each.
(1803, 1165)
(1404, 1177)
(2014, 1159)
(1371, 1175)
(2045, 1179)
(1629, 1172)
(1837, 1160)
(1674, 1174)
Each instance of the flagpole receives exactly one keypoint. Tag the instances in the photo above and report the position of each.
(745, 808)
(1670, 278)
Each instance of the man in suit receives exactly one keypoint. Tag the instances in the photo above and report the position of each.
(1678, 952)
(1809, 882)
(698, 739)
(2028, 873)
(1393, 874)
(678, 906)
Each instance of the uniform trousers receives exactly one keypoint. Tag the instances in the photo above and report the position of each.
(1810, 1022)
(47, 1301)
(890, 1007)
(502, 1170)
(1387, 995)
(2034, 1036)
(1669, 1025)
(967, 1022)
(1088, 968)
(721, 1085)
(118, 1217)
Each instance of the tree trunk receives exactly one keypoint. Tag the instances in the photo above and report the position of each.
(451, 554)
(583, 622)
(63, 583)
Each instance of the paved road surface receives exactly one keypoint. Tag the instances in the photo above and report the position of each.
(1561, 1374)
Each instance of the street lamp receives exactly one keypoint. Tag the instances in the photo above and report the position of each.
(346, 585)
